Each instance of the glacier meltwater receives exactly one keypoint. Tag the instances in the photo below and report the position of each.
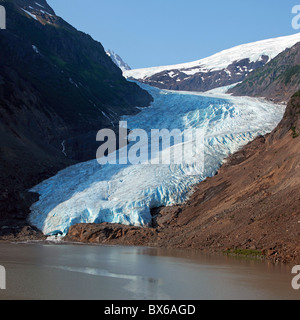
(125, 194)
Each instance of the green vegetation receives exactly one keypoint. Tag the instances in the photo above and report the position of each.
(295, 134)
(290, 72)
(244, 252)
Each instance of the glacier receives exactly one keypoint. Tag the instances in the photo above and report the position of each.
(125, 194)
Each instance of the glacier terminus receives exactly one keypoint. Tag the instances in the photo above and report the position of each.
(126, 193)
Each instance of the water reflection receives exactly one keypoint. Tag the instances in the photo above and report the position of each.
(96, 272)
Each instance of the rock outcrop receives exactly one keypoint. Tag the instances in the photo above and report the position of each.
(204, 81)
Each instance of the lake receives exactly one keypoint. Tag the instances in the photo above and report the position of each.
(67, 271)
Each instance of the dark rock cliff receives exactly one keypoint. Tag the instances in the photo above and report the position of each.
(58, 87)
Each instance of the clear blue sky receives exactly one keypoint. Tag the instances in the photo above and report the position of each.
(149, 33)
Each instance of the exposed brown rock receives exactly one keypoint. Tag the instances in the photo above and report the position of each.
(12, 231)
(112, 234)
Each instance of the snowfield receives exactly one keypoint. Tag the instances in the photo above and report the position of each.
(253, 51)
(90, 193)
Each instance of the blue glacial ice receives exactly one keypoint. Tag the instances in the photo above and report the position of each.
(90, 193)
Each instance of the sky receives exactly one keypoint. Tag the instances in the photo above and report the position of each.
(147, 33)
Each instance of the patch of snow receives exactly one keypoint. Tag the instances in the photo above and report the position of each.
(30, 14)
(228, 72)
(35, 49)
(64, 148)
(105, 115)
(45, 12)
(39, 5)
(172, 74)
(73, 82)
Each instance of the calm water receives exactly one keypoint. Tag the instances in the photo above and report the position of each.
(49, 271)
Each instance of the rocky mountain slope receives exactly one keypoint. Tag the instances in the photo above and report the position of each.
(277, 80)
(252, 206)
(58, 87)
(222, 69)
(118, 60)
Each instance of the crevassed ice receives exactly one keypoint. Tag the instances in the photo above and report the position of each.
(90, 193)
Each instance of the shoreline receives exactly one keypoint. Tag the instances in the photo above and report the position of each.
(116, 240)
(210, 252)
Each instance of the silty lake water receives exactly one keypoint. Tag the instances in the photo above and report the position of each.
(67, 271)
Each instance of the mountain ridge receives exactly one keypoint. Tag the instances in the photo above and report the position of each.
(221, 69)
(118, 60)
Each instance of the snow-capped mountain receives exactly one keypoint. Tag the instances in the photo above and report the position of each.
(221, 69)
(118, 60)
